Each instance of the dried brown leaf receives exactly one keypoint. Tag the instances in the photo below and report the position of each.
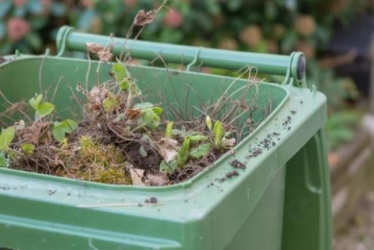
(133, 114)
(157, 180)
(167, 149)
(37, 133)
(143, 18)
(104, 53)
(136, 176)
(229, 143)
(105, 56)
(94, 47)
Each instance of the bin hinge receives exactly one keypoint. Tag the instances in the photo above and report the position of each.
(295, 74)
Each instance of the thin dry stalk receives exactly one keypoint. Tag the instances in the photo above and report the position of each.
(129, 33)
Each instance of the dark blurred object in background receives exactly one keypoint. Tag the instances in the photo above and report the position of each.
(352, 44)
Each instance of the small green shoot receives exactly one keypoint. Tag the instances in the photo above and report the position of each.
(150, 119)
(6, 137)
(150, 115)
(124, 80)
(60, 129)
(169, 130)
(121, 74)
(28, 148)
(183, 152)
(218, 134)
(208, 122)
(35, 101)
(109, 104)
(41, 109)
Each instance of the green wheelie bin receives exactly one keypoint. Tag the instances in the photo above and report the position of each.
(279, 201)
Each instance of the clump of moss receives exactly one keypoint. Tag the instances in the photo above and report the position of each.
(96, 162)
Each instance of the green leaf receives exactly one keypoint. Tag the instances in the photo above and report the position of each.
(6, 137)
(60, 129)
(133, 88)
(198, 138)
(148, 117)
(58, 132)
(169, 130)
(201, 151)
(218, 133)
(124, 85)
(4, 161)
(45, 109)
(35, 101)
(28, 148)
(183, 152)
(168, 167)
(120, 73)
(157, 110)
(109, 104)
(143, 105)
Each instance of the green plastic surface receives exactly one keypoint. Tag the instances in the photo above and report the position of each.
(281, 201)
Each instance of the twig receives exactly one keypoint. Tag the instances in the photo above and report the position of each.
(40, 74)
(88, 70)
(11, 104)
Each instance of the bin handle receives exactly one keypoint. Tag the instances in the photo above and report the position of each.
(292, 67)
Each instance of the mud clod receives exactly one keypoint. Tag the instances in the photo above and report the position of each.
(237, 164)
(222, 179)
(153, 200)
(256, 152)
(51, 192)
